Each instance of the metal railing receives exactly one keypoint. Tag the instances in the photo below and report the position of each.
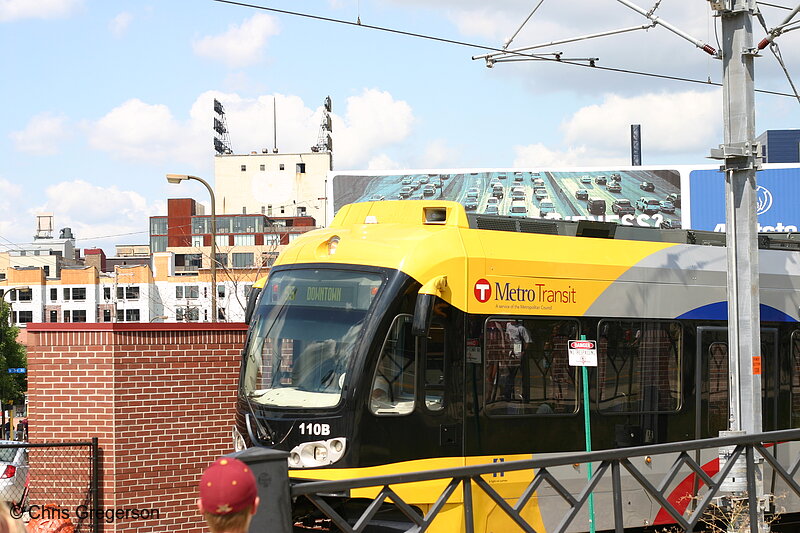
(610, 463)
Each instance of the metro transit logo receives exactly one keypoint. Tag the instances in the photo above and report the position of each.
(483, 291)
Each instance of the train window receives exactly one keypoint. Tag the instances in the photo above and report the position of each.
(795, 379)
(638, 366)
(434, 374)
(393, 387)
(527, 370)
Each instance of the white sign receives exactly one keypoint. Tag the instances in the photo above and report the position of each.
(582, 353)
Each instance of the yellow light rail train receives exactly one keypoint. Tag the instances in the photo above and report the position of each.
(412, 335)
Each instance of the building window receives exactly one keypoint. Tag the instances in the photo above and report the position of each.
(244, 168)
(244, 240)
(120, 315)
(53, 296)
(269, 210)
(263, 209)
(220, 291)
(79, 293)
(120, 293)
(244, 210)
(158, 226)
(25, 296)
(179, 292)
(301, 211)
(131, 293)
(25, 317)
(132, 315)
(283, 167)
(66, 294)
(301, 168)
(192, 291)
(268, 258)
(158, 244)
(222, 260)
(197, 240)
(189, 314)
(79, 315)
(242, 260)
(106, 315)
(263, 167)
(221, 315)
(47, 271)
(272, 239)
(53, 316)
(67, 316)
(107, 293)
(222, 241)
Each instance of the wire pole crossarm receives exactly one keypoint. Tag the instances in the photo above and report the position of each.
(705, 47)
(495, 55)
(779, 29)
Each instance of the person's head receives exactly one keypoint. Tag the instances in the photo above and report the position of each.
(228, 495)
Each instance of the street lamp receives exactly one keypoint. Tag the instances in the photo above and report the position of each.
(10, 307)
(177, 178)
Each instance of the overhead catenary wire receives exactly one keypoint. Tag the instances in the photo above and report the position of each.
(592, 65)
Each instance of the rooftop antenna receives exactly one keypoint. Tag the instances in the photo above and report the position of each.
(222, 141)
(324, 140)
(274, 128)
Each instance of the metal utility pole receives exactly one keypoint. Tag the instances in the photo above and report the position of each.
(740, 163)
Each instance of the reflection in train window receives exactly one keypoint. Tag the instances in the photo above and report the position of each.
(638, 366)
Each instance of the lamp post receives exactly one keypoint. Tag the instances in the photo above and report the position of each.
(177, 178)
(10, 306)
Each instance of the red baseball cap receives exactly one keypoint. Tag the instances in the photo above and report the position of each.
(227, 486)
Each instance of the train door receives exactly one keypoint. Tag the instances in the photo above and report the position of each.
(414, 411)
(713, 378)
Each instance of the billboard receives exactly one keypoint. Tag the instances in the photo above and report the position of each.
(778, 191)
(630, 196)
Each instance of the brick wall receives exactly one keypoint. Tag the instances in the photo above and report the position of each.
(160, 398)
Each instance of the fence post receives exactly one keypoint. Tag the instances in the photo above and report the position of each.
(95, 483)
(271, 470)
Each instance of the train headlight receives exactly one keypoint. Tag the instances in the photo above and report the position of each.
(317, 453)
(320, 454)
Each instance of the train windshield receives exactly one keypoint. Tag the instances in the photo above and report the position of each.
(304, 333)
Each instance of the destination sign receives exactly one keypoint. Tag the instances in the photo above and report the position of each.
(316, 294)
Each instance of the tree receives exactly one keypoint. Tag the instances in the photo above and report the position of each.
(13, 355)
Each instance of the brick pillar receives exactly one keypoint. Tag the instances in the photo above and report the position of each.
(160, 398)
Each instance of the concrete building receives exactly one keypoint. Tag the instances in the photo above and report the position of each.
(273, 184)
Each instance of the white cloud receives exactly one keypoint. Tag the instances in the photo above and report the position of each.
(372, 121)
(119, 24)
(599, 135)
(663, 118)
(143, 132)
(539, 156)
(241, 45)
(94, 211)
(38, 9)
(438, 155)
(383, 162)
(139, 131)
(42, 135)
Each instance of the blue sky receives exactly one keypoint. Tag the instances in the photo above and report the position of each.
(102, 98)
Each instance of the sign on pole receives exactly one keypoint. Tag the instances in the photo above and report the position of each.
(583, 353)
(17, 370)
